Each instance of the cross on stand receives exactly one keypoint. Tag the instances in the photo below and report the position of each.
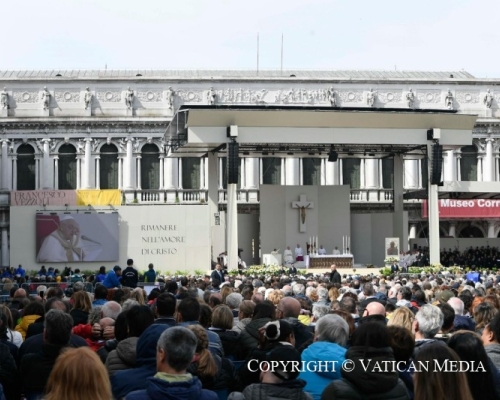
(302, 205)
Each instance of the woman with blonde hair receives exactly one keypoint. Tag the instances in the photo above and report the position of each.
(275, 296)
(402, 317)
(225, 291)
(78, 374)
(333, 294)
(138, 295)
(81, 307)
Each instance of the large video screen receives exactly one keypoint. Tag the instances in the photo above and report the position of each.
(76, 238)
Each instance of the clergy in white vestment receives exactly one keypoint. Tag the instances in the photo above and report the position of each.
(299, 254)
(336, 251)
(288, 256)
(321, 251)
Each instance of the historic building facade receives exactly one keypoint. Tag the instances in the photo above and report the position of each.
(64, 130)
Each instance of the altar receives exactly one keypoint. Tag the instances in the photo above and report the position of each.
(325, 261)
(272, 259)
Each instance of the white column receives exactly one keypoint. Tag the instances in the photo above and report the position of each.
(221, 175)
(292, 171)
(449, 166)
(86, 164)
(412, 174)
(252, 173)
(323, 172)
(283, 172)
(496, 168)
(128, 167)
(37, 172)
(371, 173)
(330, 168)
(14, 172)
(400, 223)
(179, 173)
(5, 165)
(171, 166)
(488, 168)
(139, 172)
(162, 162)
(243, 174)
(362, 175)
(5, 244)
(56, 172)
(480, 168)
(98, 172)
(491, 229)
(341, 171)
(459, 172)
(261, 171)
(78, 171)
(301, 171)
(120, 172)
(452, 231)
(206, 167)
(420, 178)
(413, 231)
(46, 165)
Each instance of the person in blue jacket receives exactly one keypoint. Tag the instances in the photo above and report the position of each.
(112, 279)
(330, 339)
(175, 351)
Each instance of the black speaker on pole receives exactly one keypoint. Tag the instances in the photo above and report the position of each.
(233, 163)
(437, 164)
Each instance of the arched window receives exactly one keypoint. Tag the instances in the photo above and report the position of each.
(109, 167)
(190, 173)
(471, 232)
(351, 172)
(311, 171)
(67, 167)
(26, 178)
(468, 163)
(150, 167)
(271, 171)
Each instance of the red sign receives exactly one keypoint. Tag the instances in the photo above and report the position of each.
(465, 208)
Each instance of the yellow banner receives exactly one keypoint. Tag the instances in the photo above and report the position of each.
(99, 197)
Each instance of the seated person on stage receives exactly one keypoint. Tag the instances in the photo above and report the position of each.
(299, 255)
(321, 251)
(336, 251)
(288, 256)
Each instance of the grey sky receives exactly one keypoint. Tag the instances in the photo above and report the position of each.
(198, 34)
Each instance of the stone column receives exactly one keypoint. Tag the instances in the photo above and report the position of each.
(221, 175)
(128, 168)
(78, 171)
(37, 172)
(420, 180)
(400, 218)
(86, 164)
(139, 172)
(162, 162)
(5, 165)
(179, 173)
(56, 172)
(480, 168)
(120, 172)
(491, 229)
(488, 166)
(98, 172)
(252, 173)
(46, 165)
(292, 171)
(449, 166)
(330, 168)
(14, 172)
(452, 231)
(261, 171)
(362, 174)
(372, 173)
(413, 231)
(301, 171)
(459, 172)
(283, 172)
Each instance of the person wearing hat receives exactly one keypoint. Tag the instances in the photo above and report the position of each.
(278, 378)
(112, 279)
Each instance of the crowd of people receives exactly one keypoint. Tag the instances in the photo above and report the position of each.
(328, 336)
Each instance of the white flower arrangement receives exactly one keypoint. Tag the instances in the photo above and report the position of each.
(391, 260)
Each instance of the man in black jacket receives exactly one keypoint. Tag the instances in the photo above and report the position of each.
(35, 368)
(130, 277)
(334, 275)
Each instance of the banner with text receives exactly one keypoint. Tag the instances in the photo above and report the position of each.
(465, 208)
(99, 197)
(43, 198)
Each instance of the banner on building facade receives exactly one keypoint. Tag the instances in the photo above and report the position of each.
(465, 208)
(43, 198)
(99, 197)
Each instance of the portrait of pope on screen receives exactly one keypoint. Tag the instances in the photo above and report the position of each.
(67, 244)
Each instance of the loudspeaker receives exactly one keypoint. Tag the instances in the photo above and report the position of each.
(333, 156)
(233, 163)
(436, 164)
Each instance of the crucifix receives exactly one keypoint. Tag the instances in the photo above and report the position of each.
(302, 205)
